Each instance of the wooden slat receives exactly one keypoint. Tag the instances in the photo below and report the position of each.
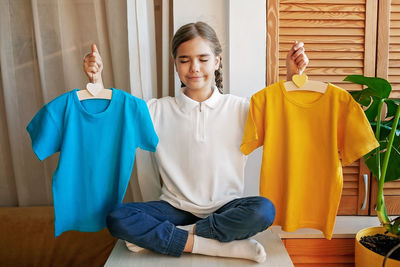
(394, 79)
(394, 14)
(320, 63)
(339, 82)
(323, 15)
(272, 41)
(330, 71)
(322, 39)
(394, 24)
(323, 2)
(338, 79)
(394, 47)
(350, 176)
(351, 185)
(322, 31)
(394, 63)
(354, 164)
(349, 86)
(395, 8)
(395, 39)
(394, 55)
(394, 71)
(392, 192)
(309, 23)
(396, 94)
(323, 55)
(352, 170)
(321, 7)
(394, 32)
(351, 192)
(352, 49)
(392, 185)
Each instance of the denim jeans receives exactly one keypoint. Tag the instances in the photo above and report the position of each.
(152, 225)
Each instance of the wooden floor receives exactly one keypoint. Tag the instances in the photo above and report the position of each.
(277, 256)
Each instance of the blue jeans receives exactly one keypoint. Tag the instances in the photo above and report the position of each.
(152, 225)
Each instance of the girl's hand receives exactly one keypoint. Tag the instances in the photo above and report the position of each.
(93, 65)
(296, 60)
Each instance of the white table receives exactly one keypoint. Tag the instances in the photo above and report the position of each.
(277, 256)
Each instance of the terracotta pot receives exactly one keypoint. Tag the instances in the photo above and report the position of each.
(365, 257)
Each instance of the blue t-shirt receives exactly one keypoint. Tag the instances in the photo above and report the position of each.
(97, 141)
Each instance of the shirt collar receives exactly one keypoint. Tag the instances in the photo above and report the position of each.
(186, 104)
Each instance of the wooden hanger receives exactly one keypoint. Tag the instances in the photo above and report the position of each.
(94, 91)
(302, 83)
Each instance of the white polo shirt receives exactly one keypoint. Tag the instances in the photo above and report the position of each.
(198, 155)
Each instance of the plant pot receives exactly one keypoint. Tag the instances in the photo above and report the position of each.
(365, 257)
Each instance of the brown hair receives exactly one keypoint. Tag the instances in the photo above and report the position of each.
(192, 30)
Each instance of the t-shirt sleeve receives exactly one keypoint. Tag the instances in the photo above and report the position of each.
(148, 139)
(356, 137)
(45, 134)
(253, 136)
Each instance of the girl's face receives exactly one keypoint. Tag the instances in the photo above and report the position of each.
(195, 63)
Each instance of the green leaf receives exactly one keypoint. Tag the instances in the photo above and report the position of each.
(393, 171)
(361, 98)
(391, 107)
(372, 111)
(376, 87)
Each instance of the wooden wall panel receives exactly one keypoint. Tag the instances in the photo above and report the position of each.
(394, 48)
(391, 192)
(321, 252)
(340, 39)
(339, 36)
(353, 194)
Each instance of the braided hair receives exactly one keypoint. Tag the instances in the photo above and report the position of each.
(192, 30)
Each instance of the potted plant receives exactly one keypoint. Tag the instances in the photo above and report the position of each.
(384, 163)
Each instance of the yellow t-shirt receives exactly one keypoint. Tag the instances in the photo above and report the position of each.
(302, 133)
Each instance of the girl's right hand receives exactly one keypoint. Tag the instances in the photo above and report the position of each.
(93, 65)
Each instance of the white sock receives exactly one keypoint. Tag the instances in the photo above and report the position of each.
(134, 248)
(246, 249)
(188, 227)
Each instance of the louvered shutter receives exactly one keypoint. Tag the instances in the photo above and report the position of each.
(340, 39)
(388, 66)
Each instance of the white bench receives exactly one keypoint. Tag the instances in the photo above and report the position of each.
(277, 256)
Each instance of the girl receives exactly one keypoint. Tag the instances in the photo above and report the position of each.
(201, 208)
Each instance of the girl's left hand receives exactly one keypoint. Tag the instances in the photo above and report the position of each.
(296, 60)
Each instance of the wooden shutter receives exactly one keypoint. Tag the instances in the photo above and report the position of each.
(339, 36)
(388, 58)
(340, 39)
(388, 66)
(356, 189)
(391, 191)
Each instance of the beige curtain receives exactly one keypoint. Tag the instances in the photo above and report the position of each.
(42, 43)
